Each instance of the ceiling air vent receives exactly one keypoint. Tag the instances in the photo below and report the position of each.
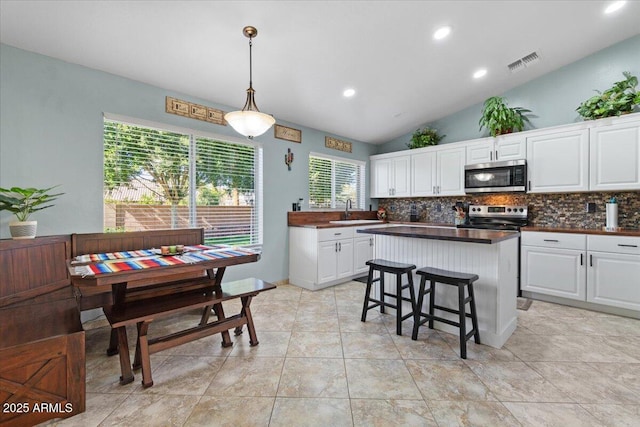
(525, 61)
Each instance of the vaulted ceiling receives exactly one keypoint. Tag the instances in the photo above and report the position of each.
(308, 52)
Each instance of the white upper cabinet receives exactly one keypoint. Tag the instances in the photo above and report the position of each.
(504, 147)
(390, 176)
(450, 172)
(614, 154)
(558, 162)
(479, 151)
(510, 147)
(437, 172)
(423, 174)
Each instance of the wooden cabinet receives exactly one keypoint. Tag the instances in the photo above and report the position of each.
(614, 157)
(42, 353)
(558, 162)
(503, 147)
(554, 264)
(590, 268)
(390, 176)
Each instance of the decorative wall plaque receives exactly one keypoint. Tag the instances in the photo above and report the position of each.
(195, 111)
(337, 144)
(286, 133)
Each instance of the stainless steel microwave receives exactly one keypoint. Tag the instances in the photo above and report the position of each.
(497, 177)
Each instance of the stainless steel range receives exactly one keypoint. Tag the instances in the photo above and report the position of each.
(498, 217)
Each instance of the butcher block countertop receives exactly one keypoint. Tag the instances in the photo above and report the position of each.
(619, 232)
(465, 235)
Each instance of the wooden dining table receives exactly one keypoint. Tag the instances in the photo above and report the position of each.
(154, 279)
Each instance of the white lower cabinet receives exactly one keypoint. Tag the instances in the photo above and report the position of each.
(362, 252)
(322, 257)
(335, 260)
(593, 268)
(553, 264)
(613, 275)
(553, 271)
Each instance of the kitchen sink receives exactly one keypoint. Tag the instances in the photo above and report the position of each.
(356, 221)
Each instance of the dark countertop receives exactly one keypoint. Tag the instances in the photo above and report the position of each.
(619, 232)
(453, 234)
(326, 224)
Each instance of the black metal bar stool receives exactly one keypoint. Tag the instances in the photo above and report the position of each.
(384, 266)
(435, 275)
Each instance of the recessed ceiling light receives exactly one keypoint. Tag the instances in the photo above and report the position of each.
(442, 32)
(480, 73)
(614, 6)
(348, 93)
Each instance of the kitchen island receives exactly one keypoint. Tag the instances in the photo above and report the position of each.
(492, 255)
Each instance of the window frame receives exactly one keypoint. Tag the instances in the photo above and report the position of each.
(194, 134)
(362, 165)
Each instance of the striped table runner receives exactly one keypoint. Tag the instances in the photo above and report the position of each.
(193, 256)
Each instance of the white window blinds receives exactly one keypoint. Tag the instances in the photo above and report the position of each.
(155, 179)
(334, 180)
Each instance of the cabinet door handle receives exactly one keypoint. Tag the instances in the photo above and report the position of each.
(339, 247)
(590, 260)
(627, 246)
(434, 189)
(336, 247)
(580, 259)
(496, 154)
(371, 241)
(491, 155)
(337, 234)
(529, 185)
(551, 240)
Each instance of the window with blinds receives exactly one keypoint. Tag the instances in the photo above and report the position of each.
(334, 180)
(157, 178)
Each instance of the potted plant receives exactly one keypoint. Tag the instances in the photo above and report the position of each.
(424, 137)
(619, 99)
(499, 118)
(22, 202)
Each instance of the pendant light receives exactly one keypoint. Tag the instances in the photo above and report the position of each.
(250, 122)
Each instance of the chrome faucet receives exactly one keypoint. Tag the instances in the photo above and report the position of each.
(347, 205)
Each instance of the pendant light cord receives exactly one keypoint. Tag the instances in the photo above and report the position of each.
(250, 64)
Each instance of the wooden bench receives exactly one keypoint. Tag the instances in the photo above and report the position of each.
(143, 312)
(42, 354)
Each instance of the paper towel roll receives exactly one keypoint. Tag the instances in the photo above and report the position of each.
(612, 216)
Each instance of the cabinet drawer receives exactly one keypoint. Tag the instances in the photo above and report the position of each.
(618, 244)
(325, 234)
(554, 240)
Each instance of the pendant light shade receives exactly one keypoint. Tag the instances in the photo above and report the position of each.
(250, 122)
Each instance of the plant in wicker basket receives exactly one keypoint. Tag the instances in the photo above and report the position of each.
(22, 202)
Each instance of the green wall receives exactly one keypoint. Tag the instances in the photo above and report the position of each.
(51, 115)
(553, 98)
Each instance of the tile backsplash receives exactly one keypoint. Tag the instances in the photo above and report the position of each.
(545, 210)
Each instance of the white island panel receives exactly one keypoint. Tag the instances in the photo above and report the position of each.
(495, 291)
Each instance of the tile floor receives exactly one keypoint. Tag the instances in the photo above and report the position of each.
(318, 365)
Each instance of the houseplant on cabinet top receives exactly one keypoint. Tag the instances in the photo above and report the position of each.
(22, 202)
(500, 118)
(424, 137)
(619, 99)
